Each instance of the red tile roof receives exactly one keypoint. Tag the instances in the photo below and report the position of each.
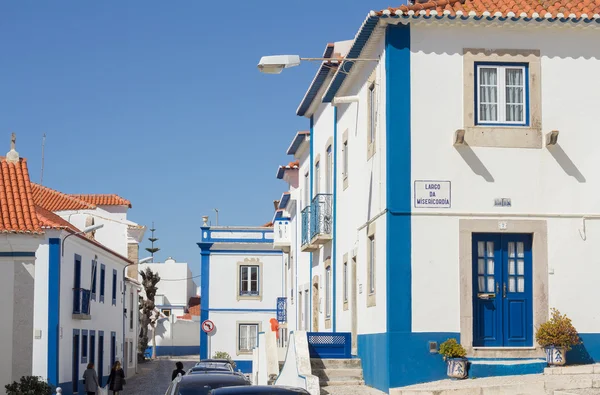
(103, 200)
(17, 207)
(53, 200)
(268, 225)
(49, 220)
(502, 8)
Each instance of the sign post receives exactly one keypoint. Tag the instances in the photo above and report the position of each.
(208, 327)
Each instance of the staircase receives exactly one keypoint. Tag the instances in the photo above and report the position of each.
(337, 373)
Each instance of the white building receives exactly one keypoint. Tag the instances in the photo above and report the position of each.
(65, 288)
(175, 288)
(455, 211)
(241, 285)
(132, 290)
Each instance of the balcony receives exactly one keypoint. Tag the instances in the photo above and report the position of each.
(321, 219)
(282, 310)
(306, 245)
(282, 235)
(81, 304)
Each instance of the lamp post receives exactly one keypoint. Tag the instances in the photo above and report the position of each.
(276, 63)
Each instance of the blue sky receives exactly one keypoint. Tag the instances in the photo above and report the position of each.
(161, 101)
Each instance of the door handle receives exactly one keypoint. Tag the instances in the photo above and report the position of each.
(504, 290)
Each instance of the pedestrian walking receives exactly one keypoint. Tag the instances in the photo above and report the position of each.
(90, 380)
(178, 371)
(116, 380)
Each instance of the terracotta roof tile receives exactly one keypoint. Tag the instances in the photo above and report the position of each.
(501, 8)
(268, 225)
(103, 200)
(49, 220)
(53, 200)
(17, 207)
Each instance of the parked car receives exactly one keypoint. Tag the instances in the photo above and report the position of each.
(206, 366)
(204, 384)
(260, 390)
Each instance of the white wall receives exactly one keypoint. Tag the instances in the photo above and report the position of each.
(6, 329)
(176, 333)
(538, 181)
(132, 331)
(177, 293)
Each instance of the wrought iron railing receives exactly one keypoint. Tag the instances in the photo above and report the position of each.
(306, 225)
(81, 301)
(282, 310)
(321, 215)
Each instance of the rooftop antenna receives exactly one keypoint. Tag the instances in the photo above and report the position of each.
(43, 147)
(217, 219)
(152, 239)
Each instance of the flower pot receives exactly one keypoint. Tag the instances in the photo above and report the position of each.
(457, 368)
(556, 356)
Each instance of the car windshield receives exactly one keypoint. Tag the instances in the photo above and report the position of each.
(205, 389)
(204, 366)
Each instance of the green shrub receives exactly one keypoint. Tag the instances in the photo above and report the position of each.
(451, 349)
(224, 355)
(29, 385)
(557, 332)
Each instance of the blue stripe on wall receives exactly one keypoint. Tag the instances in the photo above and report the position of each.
(333, 247)
(205, 296)
(310, 175)
(17, 254)
(53, 309)
(244, 366)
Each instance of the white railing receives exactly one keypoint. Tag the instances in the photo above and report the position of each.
(282, 233)
(296, 371)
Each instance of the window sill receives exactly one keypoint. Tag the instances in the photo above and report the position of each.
(249, 297)
(328, 323)
(345, 182)
(346, 305)
(371, 300)
(504, 136)
(244, 352)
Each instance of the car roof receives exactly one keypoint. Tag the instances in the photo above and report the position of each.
(216, 360)
(208, 378)
(259, 389)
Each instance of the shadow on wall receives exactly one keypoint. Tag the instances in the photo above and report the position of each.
(587, 352)
(566, 163)
(474, 162)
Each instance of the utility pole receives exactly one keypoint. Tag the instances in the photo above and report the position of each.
(217, 219)
(43, 147)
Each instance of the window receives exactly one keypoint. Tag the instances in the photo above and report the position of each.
(372, 112)
(114, 288)
(94, 275)
(166, 312)
(92, 347)
(345, 158)
(102, 281)
(346, 281)
(130, 353)
(131, 311)
(371, 251)
(317, 177)
(501, 96)
(84, 346)
(329, 170)
(328, 292)
(113, 348)
(248, 335)
(249, 285)
(306, 189)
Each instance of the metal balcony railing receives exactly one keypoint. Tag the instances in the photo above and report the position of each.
(81, 301)
(282, 310)
(306, 225)
(321, 215)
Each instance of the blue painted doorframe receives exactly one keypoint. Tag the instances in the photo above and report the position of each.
(502, 290)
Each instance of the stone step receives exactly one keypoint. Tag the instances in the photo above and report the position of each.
(353, 363)
(330, 374)
(341, 382)
(573, 369)
(502, 367)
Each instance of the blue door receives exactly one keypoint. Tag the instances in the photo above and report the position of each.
(502, 290)
(100, 356)
(75, 362)
(77, 285)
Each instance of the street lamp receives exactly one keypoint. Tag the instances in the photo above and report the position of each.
(85, 230)
(276, 63)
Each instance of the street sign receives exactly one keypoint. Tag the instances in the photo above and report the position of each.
(208, 326)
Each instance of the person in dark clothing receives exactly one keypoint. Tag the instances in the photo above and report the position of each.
(90, 380)
(116, 380)
(178, 371)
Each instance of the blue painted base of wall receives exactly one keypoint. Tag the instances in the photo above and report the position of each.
(67, 388)
(397, 359)
(481, 369)
(588, 352)
(244, 366)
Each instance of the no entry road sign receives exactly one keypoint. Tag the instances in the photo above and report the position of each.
(208, 326)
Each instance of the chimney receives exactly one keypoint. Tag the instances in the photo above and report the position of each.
(276, 204)
(12, 156)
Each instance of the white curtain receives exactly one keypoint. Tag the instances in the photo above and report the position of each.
(514, 95)
(488, 91)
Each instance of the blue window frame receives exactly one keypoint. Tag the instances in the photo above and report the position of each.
(93, 347)
(84, 346)
(113, 348)
(114, 288)
(102, 281)
(94, 275)
(501, 94)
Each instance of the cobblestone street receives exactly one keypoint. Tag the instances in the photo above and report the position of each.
(154, 377)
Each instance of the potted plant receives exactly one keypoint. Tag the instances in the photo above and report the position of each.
(455, 356)
(557, 336)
